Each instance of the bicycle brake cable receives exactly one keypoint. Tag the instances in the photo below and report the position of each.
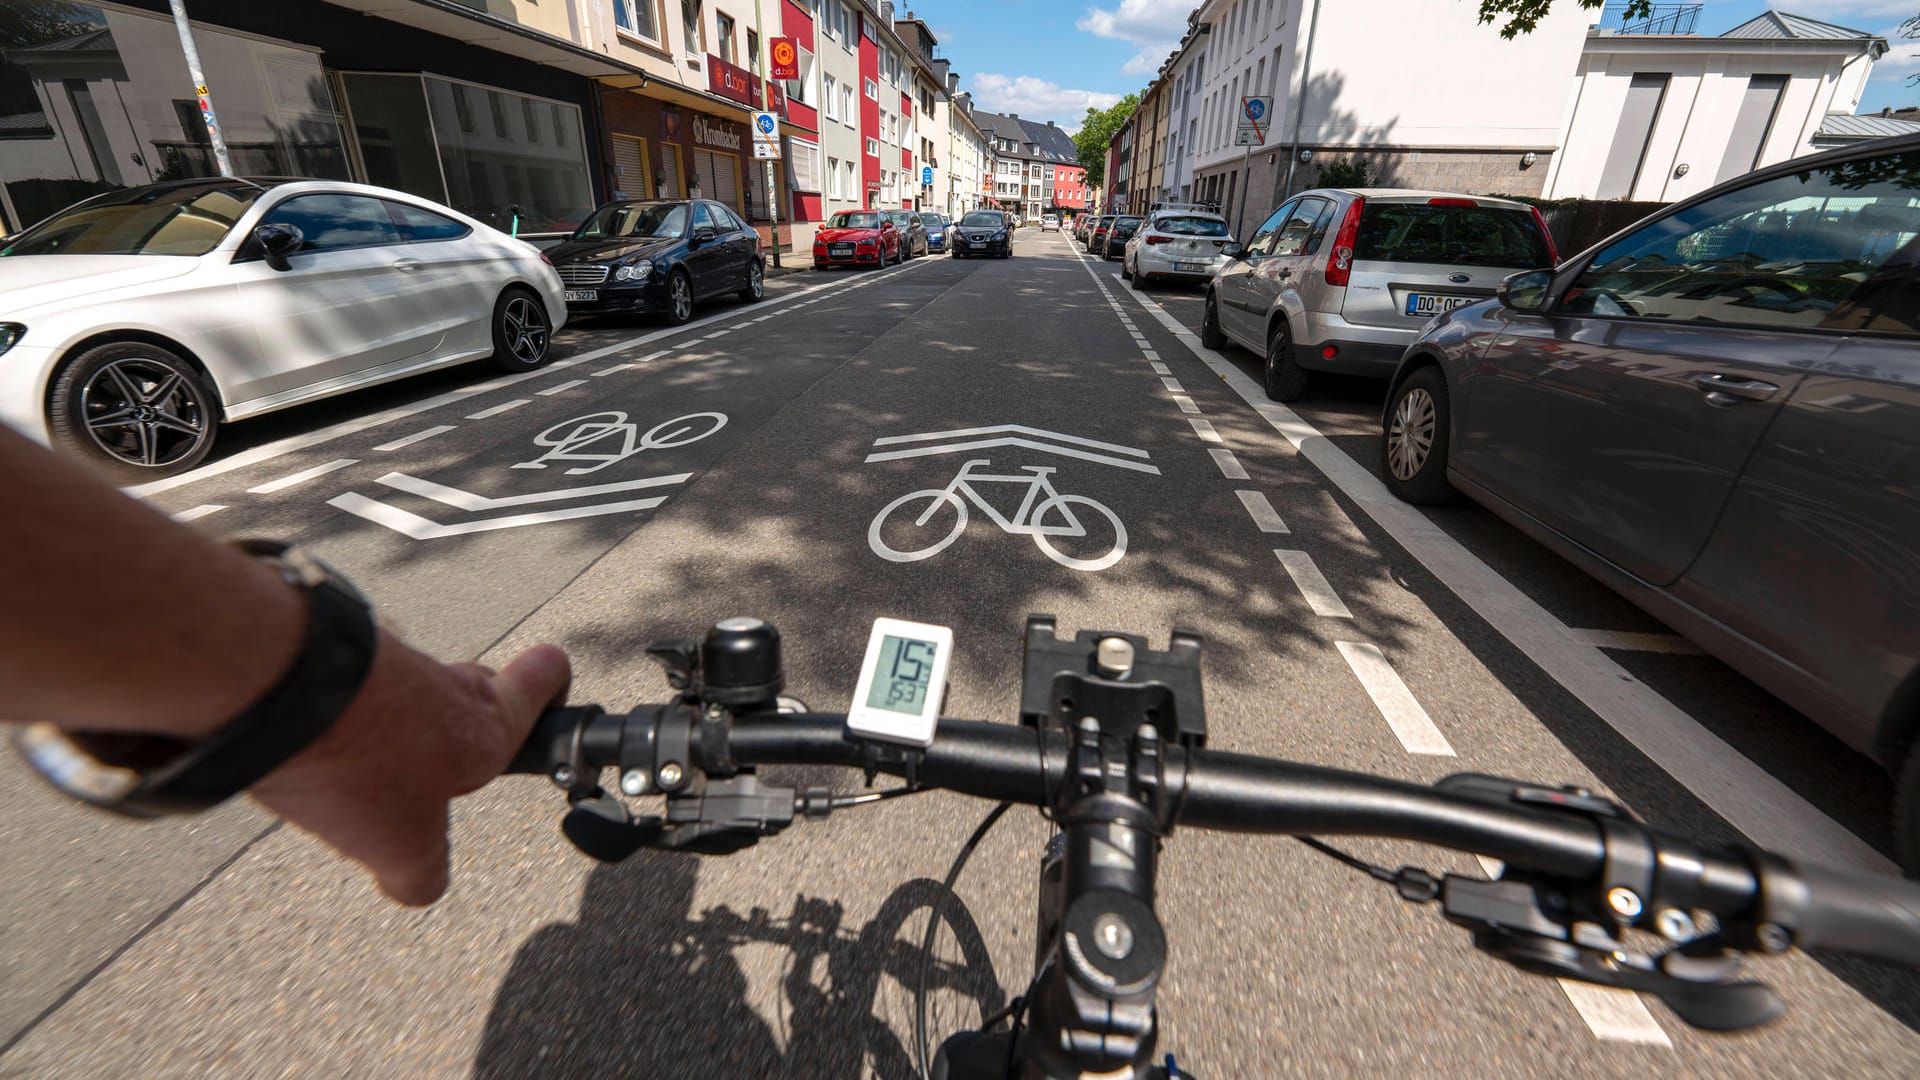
(1411, 882)
(933, 928)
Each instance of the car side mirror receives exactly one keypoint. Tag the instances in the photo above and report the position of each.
(1525, 292)
(278, 243)
(1234, 251)
(703, 234)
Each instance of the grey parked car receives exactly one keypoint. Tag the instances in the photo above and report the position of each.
(1344, 279)
(1717, 414)
(913, 232)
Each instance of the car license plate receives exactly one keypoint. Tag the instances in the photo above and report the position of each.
(1190, 266)
(1430, 304)
(579, 296)
(840, 249)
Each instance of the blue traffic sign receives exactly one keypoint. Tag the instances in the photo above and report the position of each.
(765, 122)
(926, 174)
(1256, 108)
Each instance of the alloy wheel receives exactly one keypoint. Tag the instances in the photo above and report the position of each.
(526, 329)
(756, 280)
(144, 412)
(680, 294)
(1410, 434)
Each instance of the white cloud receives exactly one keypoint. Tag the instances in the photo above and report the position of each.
(1036, 99)
(1145, 62)
(1148, 23)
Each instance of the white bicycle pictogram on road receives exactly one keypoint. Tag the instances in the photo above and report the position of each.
(607, 438)
(1044, 514)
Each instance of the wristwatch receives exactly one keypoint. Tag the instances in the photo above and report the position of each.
(150, 776)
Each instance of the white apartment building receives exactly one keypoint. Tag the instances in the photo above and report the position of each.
(966, 160)
(1432, 106)
(1660, 115)
(837, 64)
(1185, 73)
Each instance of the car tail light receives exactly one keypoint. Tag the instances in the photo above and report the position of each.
(544, 259)
(1553, 250)
(1340, 263)
(1328, 352)
(1158, 239)
(1468, 203)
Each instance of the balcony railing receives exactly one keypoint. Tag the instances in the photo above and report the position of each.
(1663, 19)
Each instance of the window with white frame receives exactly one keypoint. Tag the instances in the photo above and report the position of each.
(829, 88)
(873, 146)
(694, 26)
(848, 116)
(852, 186)
(641, 18)
(727, 37)
(867, 87)
(833, 177)
(801, 89)
(806, 164)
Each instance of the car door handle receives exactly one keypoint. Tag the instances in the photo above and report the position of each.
(1278, 274)
(1727, 389)
(408, 266)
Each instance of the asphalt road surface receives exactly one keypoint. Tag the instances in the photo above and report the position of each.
(650, 482)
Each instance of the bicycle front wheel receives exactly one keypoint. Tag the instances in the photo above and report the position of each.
(921, 531)
(1099, 542)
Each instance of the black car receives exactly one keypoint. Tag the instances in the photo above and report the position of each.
(658, 257)
(913, 232)
(982, 232)
(1114, 246)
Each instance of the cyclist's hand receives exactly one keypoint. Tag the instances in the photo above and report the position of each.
(376, 786)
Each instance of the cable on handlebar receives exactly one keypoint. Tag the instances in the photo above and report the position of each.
(933, 926)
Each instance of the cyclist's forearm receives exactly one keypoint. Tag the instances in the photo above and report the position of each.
(115, 617)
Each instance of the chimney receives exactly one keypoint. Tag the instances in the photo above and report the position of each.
(1887, 112)
(953, 82)
(1013, 116)
(1049, 123)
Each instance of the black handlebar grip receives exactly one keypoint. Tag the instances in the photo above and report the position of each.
(1863, 914)
(550, 743)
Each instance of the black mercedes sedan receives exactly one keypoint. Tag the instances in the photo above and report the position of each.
(658, 257)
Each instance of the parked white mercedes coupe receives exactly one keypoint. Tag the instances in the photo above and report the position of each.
(134, 323)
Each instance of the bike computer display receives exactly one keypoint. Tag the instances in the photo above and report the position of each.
(902, 682)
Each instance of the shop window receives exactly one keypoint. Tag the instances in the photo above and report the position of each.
(630, 167)
(717, 177)
(667, 185)
(545, 177)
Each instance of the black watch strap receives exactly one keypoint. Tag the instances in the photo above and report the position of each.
(146, 776)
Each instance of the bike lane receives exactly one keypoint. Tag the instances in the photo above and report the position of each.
(1281, 962)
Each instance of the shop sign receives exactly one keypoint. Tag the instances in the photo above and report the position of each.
(729, 81)
(716, 133)
(786, 58)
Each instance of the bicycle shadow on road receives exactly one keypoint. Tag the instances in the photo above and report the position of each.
(640, 985)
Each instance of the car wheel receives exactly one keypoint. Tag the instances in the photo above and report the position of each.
(1906, 810)
(1284, 380)
(756, 283)
(679, 297)
(1413, 452)
(1211, 335)
(136, 411)
(522, 333)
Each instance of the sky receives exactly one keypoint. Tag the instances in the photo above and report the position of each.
(1051, 59)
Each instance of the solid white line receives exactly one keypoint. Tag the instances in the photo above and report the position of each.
(419, 528)
(1172, 384)
(293, 443)
(198, 512)
(933, 436)
(611, 370)
(565, 386)
(1746, 795)
(1410, 723)
(467, 500)
(416, 437)
(300, 477)
(1312, 584)
(1612, 1014)
(1636, 642)
(1262, 511)
(1205, 430)
(1161, 369)
(1186, 404)
(498, 409)
(1229, 465)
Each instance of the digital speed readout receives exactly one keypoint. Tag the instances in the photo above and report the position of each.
(904, 675)
(902, 684)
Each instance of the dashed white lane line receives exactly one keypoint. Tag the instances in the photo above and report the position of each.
(1312, 584)
(612, 370)
(652, 356)
(507, 406)
(716, 334)
(1410, 723)
(561, 388)
(301, 477)
(418, 436)
(1150, 354)
(1161, 369)
(1750, 798)
(198, 512)
(1172, 384)
(1634, 641)
(1204, 429)
(1230, 466)
(1186, 404)
(1261, 511)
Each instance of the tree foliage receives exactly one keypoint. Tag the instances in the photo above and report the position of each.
(36, 22)
(1352, 173)
(1097, 129)
(1523, 15)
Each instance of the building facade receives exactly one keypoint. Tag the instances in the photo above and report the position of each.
(1185, 73)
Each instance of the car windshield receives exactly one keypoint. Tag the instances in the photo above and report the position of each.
(983, 217)
(190, 219)
(901, 218)
(932, 220)
(635, 220)
(1190, 226)
(854, 219)
(1452, 235)
(1127, 223)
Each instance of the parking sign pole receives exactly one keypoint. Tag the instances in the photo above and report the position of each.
(766, 102)
(199, 77)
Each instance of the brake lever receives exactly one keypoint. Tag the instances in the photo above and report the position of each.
(722, 817)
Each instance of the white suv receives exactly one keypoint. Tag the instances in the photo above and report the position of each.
(1176, 245)
(1049, 221)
